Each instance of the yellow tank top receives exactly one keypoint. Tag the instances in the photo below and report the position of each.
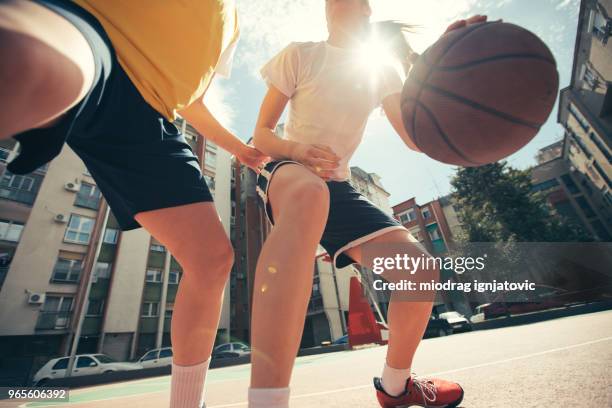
(168, 48)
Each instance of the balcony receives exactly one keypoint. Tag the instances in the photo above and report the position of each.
(315, 304)
(53, 320)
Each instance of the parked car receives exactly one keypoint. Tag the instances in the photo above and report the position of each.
(479, 315)
(509, 303)
(438, 327)
(458, 322)
(226, 354)
(238, 348)
(159, 357)
(85, 364)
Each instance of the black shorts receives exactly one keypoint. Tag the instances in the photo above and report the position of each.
(139, 160)
(352, 218)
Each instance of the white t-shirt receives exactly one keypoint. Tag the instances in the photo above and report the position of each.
(224, 65)
(333, 91)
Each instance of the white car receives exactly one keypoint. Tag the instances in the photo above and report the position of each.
(457, 321)
(236, 349)
(85, 364)
(159, 357)
(479, 315)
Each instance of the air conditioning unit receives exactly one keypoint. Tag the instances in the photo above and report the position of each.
(60, 218)
(72, 186)
(36, 298)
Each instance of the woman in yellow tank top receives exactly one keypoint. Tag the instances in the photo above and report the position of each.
(108, 78)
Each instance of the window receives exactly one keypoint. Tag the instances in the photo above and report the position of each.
(88, 196)
(158, 248)
(61, 364)
(10, 230)
(85, 361)
(602, 173)
(586, 207)
(569, 183)
(407, 216)
(600, 145)
(111, 236)
(545, 185)
(19, 188)
(150, 309)
(210, 159)
(79, 229)
(55, 312)
(67, 270)
(584, 124)
(102, 271)
(151, 355)
(225, 347)
(434, 234)
(589, 76)
(154, 275)
(165, 353)
(95, 307)
(426, 213)
(599, 26)
(173, 279)
(169, 310)
(577, 141)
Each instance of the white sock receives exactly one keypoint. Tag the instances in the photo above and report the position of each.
(394, 379)
(187, 385)
(269, 397)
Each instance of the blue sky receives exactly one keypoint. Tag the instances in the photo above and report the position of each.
(268, 25)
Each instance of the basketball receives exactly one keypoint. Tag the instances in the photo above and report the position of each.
(479, 94)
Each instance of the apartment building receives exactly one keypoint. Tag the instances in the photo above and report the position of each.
(57, 237)
(585, 111)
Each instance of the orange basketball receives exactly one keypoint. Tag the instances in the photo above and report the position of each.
(480, 93)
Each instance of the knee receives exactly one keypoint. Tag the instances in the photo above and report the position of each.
(210, 264)
(310, 197)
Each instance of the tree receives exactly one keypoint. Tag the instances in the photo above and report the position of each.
(495, 203)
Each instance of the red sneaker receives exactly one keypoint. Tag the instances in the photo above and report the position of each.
(423, 392)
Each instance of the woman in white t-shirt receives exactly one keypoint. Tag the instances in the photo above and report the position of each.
(331, 87)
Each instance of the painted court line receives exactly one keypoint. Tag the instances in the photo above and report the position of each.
(507, 360)
(358, 387)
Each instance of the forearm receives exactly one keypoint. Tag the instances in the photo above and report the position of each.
(206, 124)
(267, 142)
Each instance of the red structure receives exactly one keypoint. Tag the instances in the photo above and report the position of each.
(362, 325)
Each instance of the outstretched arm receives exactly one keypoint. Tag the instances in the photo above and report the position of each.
(198, 115)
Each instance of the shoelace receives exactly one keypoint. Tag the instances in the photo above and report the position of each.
(427, 389)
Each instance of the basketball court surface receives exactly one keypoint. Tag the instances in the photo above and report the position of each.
(562, 362)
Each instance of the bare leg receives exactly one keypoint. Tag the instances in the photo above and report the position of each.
(407, 320)
(195, 236)
(283, 281)
(46, 66)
